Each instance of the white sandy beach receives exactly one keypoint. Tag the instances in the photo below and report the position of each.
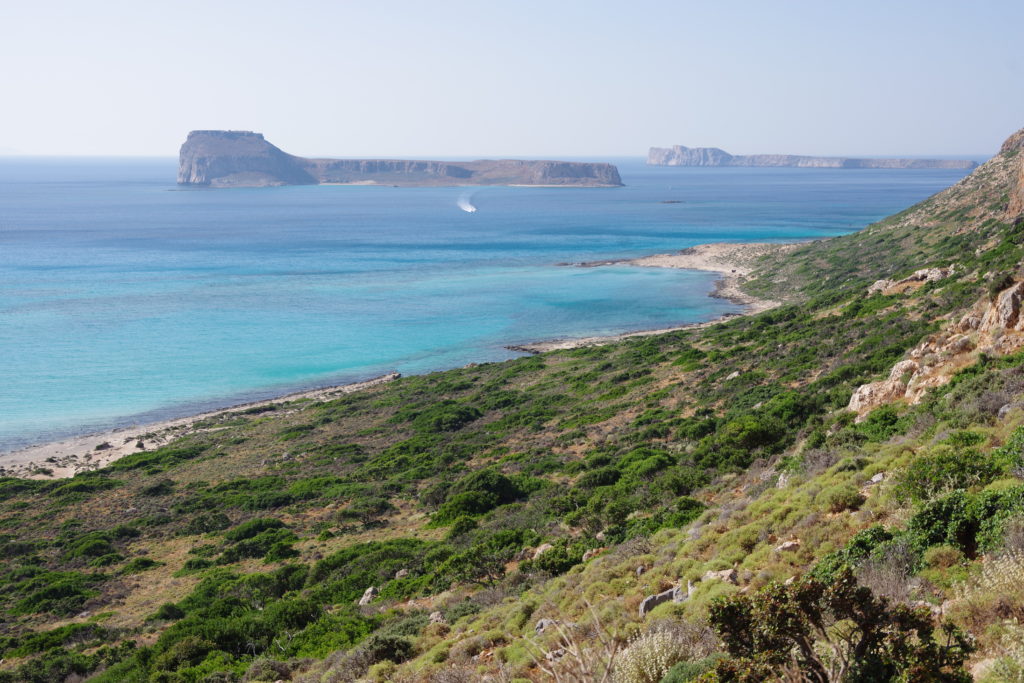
(734, 261)
(67, 457)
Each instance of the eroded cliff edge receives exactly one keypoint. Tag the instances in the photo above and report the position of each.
(221, 158)
(713, 156)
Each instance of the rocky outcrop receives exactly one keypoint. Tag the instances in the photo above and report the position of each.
(368, 595)
(228, 158)
(993, 327)
(675, 594)
(713, 156)
(1014, 148)
(222, 158)
(916, 279)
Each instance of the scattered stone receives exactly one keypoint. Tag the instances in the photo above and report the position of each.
(652, 601)
(592, 553)
(733, 375)
(541, 549)
(437, 618)
(401, 573)
(1005, 410)
(877, 479)
(935, 610)
(727, 575)
(543, 624)
(640, 571)
(788, 546)
(368, 595)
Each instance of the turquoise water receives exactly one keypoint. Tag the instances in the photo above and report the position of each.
(124, 299)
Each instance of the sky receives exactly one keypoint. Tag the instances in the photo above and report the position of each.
(569, 78)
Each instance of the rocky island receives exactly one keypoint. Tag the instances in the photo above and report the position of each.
(713, 156)
(227, 158)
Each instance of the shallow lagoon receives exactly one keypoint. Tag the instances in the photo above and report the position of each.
(125, 299)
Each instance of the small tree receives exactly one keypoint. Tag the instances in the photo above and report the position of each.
(834, 632)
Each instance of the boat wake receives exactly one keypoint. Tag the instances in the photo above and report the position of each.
(465, 204)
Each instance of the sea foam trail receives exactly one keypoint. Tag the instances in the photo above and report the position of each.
(465, 204)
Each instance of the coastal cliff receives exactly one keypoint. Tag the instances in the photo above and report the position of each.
(713, 156)
(218, 158)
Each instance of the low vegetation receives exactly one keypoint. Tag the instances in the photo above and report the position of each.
(509, 519)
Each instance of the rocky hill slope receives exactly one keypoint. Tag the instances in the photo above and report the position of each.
(219, 158)
(713, 156)
(699, 505)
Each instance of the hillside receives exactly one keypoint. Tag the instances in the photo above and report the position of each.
(707, 501)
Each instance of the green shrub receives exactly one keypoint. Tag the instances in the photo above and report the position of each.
(840, 498)
(944, 470)
(140, 564)
(252, 528)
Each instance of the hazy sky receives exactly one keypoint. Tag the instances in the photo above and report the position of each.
(520, 78)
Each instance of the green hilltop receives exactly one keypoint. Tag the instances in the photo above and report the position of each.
(698, 505)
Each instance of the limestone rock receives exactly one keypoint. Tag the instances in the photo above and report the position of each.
(652, 601)
(788, 546)
(1005, 410)
(437, 618)
(726, 575)
(541, 549)
(401, 573)
(368, 595)
(544, 624)
(592, 553)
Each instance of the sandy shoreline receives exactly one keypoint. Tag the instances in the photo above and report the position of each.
(67, 457)
(733, 261)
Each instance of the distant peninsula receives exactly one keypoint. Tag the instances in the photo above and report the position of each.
(713, 156)
(229, 158)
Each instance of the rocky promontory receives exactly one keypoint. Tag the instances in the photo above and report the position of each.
(713, 156)
(227, 158)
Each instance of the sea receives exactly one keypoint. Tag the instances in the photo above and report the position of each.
(125, 299)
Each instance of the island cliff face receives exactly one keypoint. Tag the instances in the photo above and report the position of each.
(713, 156)
(221, 158)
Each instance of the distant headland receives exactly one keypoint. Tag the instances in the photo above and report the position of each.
(713, 156)
(228, 158)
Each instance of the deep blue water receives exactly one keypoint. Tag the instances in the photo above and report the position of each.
(125, 299)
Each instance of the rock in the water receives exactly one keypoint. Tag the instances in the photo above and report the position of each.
(231, 158)
(713, 156)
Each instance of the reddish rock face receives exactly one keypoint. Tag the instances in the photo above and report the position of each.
(1014, 146)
